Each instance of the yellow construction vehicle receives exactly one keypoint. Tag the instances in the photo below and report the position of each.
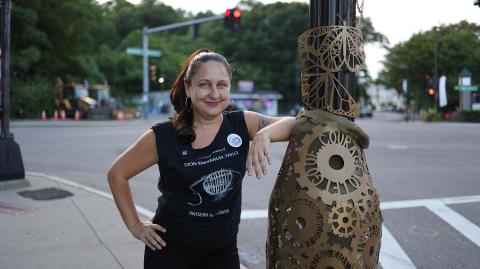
(73, 97)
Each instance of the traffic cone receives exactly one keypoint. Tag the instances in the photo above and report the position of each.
(77, 115)
(63, 115)
(55, 115)
(44, 115)
(120, 116)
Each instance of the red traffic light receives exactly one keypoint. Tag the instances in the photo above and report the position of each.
(431, 91)
(237, 13)
(232, 19)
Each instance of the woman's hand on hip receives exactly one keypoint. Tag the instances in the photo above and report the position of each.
(259, 155)
(146, 232)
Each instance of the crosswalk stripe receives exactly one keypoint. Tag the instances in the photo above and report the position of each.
(392, 255)
(426, 202)
(457, 221)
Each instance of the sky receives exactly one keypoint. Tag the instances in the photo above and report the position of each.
(396, 19)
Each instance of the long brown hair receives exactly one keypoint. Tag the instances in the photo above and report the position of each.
(183, 118)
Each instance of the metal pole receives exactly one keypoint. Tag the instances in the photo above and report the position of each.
(314, 199)
(335, 12)
(5, 68)
(435, 68)
(184, 23)
(146, 85)
(146, 31)
(11, 163)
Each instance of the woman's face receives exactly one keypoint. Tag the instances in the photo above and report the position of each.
(209, 89)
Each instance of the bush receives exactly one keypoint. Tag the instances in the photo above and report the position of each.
(430, 115)
(471, 115)
(30, 98)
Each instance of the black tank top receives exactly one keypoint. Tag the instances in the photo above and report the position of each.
(201, 188)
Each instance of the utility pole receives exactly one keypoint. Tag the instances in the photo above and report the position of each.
(335, 13)
(435, 68)
(11, 163)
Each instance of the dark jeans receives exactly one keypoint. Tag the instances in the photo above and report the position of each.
(177, 255)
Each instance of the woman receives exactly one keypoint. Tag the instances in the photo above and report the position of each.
(202, 153)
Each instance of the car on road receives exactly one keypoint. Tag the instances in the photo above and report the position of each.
(366, 111)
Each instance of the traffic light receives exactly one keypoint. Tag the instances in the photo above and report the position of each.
(153, 72)
(431, 92)
(232, 19)
(429, 89)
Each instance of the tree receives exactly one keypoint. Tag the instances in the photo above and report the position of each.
(458, 47)
(80, 39)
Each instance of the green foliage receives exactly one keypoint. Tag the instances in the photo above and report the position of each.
(430, 114)
(81, 39)
(471, 115)
(458, 48)
(370, 35)
(32, 97)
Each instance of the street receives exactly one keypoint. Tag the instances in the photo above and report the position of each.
(427, 175)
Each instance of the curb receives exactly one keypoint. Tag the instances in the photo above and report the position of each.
(141, 210)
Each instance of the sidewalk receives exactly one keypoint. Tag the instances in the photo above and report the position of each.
(83, 230)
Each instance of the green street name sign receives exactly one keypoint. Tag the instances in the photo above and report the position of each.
(139, 52)
(465, 88)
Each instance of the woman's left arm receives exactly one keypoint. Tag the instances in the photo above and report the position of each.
(262, 131)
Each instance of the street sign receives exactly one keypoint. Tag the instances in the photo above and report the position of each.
(139, 52)
(465, 88)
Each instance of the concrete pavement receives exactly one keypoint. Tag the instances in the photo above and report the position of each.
(54, 224)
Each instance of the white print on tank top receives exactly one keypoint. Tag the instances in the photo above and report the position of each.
(216, 184)
(209, 159)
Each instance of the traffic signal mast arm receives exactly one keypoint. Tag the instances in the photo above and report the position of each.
(182, 24)
(237, 13)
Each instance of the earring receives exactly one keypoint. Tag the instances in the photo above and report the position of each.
(188, 104)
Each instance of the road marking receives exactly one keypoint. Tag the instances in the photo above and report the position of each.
(427, 202)
(263, 213)
(457, 221)
(392, 254)
(141, 210)
(254, 214)
(397, 147)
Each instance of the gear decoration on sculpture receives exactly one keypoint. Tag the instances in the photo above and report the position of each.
(365, 169)
(331, 169)
(345, 220)
(373, 206)
(302, 223)
(334, 258)
(324, 51)
(369, 245)
(290, 261)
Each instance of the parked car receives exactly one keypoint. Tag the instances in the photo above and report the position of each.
(366, 112)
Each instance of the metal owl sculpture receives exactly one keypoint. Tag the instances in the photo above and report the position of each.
(324, 211)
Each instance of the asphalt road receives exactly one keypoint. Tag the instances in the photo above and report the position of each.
(408, 162)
